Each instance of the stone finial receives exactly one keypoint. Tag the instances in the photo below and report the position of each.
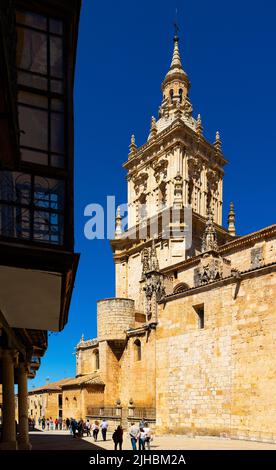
(82, 338)
(231, 220)
(153, 257)
(199, 128)
(217, 143)
(209, 240)
(133, 146)
(118, 229)
(153, 128)
(176, 60)
(178, 191)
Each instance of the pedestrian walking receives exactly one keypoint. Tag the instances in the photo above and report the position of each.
(95, 430)
(74, 427)
(88, 428)
(104, 426)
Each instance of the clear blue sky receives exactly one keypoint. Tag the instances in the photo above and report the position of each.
(124, 51)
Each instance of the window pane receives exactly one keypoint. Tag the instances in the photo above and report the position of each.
(14, 221)
(57, 132)
(56, 26)
(49, 193)
(33, 156)
(31, 50)
(56, 56)
(48, 227)
(57, 161)
(15, 187)
(56, 86)
(31, 19)
(31, 80)
(57, 105)
(33, 124)
(33, 99)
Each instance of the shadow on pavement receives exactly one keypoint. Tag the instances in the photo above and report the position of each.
(41, 441)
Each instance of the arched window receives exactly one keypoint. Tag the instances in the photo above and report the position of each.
(180, 95)
(96, 359)
(75, 402)
(137, 350)
(171, 95)
(181, 287)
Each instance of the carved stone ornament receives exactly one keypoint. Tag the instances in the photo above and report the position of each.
(195, 167)
(188, 108)
(145, 260)
(160, 169)
(210, 269)
(257, 257)
(209, 239)
(140, 183)
(212, 180)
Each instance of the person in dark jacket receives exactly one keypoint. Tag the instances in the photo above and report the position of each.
(118, 438)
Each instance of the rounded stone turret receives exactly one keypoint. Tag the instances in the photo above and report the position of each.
(114, 317)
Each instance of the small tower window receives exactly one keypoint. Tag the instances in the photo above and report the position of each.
(137, 350)
(180, 95)
(171, 95)
(200, 314)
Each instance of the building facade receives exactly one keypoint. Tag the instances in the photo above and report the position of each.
(188, 341)
(38, 264)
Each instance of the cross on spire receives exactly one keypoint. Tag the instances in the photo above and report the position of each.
(176, 24)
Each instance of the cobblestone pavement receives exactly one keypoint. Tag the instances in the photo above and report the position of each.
(62, 440)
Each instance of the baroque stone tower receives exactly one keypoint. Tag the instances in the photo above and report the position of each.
(176, 155)
(176, 168)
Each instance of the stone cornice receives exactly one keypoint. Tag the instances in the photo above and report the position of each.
(227, 280)
(238, 242)
(87, 344)
(249, 238)
(125, 247)
(146, 151)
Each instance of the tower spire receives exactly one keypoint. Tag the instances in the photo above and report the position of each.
(176, 85)
(176, 71)
(231, 220)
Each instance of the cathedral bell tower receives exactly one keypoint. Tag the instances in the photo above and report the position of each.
(176, 147)
(176, 168)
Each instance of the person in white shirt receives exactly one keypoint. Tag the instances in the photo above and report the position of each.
(148, 432)
(142, 439)
(134, 435)
(104, 427)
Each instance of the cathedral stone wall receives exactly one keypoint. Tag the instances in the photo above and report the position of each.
(219, 380)
(72, 406)
(137, 378)
(86, 361)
